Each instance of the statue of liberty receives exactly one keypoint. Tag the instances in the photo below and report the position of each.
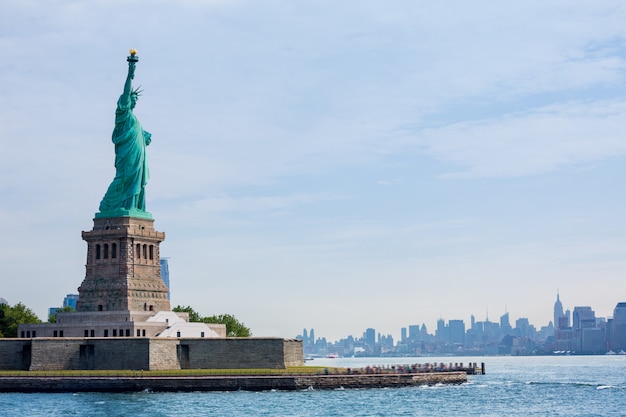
(126, 194)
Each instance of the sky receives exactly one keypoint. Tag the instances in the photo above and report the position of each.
(323, 164)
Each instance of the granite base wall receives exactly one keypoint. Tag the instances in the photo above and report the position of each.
(238, 353)
(15, 354)
(164, 354)
(148, 354)
(89, 354)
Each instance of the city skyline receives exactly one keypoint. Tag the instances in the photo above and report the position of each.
(341, 165)
(396, 333)
(577, 332)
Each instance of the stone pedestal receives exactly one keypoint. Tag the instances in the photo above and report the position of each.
(123, 294)
(123, 272)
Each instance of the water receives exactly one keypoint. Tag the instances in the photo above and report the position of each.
(513, 386)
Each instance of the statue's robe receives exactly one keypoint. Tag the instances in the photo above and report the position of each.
(127, 191)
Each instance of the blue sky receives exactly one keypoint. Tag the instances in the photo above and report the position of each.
(328, 165)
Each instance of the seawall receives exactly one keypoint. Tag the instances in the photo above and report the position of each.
(90, 353)
(223, 383)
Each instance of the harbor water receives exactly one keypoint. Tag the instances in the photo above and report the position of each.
(512, 386)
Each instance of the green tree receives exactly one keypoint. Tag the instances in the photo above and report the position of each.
(234, 328)
(52, 318)
(11, 317)
(193, 315)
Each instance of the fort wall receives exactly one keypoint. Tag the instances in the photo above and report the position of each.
(163, 354)
(235, 353)
(148, 353)
(15, 354)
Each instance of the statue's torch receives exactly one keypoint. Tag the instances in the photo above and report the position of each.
(133, 56)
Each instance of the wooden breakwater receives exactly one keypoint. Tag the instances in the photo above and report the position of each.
(223, 383)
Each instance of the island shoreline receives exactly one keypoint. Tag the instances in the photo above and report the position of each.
(64, 384)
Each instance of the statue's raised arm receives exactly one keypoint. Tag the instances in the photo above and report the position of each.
(128, 84)
(126, 194)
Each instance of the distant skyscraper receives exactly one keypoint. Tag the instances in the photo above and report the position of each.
(456, 329)
(441, 334)
(70, 301)
(558, 311)
(414, 332)
(370, 337)
(505, 325)
(583, 317)
(523, 328)
(618, 333)
(165, 275)
(3, 301)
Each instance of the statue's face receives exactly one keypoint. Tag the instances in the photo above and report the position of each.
(133, 100)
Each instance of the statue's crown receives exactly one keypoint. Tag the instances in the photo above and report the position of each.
(137, 91)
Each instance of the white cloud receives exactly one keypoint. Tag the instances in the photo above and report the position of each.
(531, 143)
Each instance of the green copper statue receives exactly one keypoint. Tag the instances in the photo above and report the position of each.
(126, 194)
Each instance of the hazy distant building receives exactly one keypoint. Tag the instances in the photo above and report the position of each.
(583, 317)
(441, 334)
(505, 325)
(618, 331)
(165, 275)
(414, 333)
(386, 342)
(456, 330)
(589, 338)
(523, 328)
(370, 337)
(491, 332)
(3, 301)
(592, 340)
(558, 313)
(70, 301)
(308, 339)
(546, 331)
